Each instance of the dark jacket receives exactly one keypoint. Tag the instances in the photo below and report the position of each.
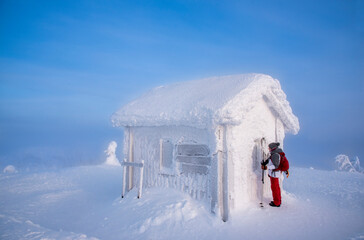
(275, 157)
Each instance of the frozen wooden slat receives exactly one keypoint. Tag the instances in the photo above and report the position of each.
(189, 168)
(132, 164)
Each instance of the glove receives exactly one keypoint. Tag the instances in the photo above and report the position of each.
(287, 173)
(264, 162)
(263, 167)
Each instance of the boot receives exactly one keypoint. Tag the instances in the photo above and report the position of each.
(273, 205)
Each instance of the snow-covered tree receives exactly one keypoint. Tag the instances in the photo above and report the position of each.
(10, 169)
(111, 156)
(356, 164)
(343, 163)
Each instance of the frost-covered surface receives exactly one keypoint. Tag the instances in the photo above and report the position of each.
(147, 147)
(111, 155)
(84, 203)
(216, 100)
(343, 163)
(226, 114)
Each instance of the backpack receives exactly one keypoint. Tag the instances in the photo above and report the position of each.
(283, 164)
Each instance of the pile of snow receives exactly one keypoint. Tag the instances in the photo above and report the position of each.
(111, 156)
(343, 163)
(10, 169)
(216, 100)
(84, 203)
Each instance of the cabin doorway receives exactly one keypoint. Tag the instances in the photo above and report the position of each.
(261, 154)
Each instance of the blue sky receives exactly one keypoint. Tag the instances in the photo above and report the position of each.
(66, 66)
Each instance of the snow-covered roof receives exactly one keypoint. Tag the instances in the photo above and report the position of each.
(215, 100)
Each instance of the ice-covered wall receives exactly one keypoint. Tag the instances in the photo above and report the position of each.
(184, 176)
(244, 174)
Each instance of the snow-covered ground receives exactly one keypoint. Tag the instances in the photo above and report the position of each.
(84, 203)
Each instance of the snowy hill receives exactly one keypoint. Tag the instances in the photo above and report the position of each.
(84, 203)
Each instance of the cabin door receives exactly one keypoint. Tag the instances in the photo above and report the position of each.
(261, 153)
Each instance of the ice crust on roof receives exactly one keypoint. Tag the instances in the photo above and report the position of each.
(200, 103)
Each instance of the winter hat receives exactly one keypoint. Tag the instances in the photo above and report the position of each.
(273, 145)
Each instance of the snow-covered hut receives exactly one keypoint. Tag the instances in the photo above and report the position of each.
(204, 137)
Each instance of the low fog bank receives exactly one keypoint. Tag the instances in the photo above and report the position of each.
(53, 153)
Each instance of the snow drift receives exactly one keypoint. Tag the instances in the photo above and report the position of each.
(84, 203)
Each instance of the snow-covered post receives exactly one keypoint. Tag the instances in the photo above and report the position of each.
(141, 180)
(131, 157)
(223, 174)
(124, 180)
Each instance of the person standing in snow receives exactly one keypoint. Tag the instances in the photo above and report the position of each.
(271, 164)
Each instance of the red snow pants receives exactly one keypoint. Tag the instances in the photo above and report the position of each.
(276, 190)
